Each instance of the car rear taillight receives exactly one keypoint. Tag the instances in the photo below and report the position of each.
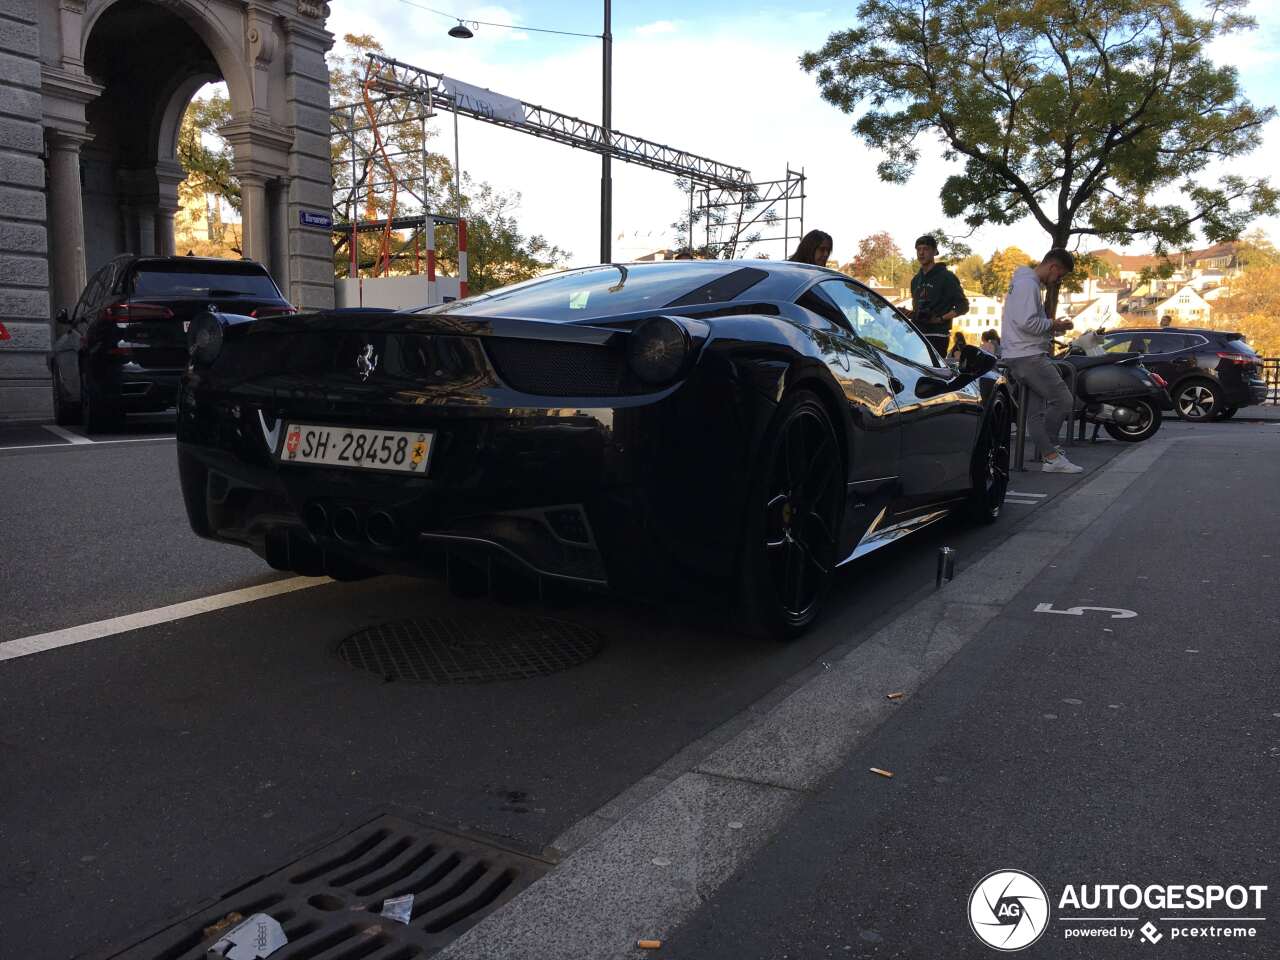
(125, 312)
(1158, 380)
(262, 312)
(1240, 358)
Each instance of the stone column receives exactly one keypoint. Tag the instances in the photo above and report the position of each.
(146, 230)
(280, 235)
(253, 216)
(66, 218)
(169, 174)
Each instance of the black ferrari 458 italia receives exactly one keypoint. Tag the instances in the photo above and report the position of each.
(747, 424)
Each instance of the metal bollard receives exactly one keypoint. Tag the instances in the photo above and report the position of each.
(1020, 440)
(946, 565)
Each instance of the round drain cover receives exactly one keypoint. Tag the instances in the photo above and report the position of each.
(448, 650)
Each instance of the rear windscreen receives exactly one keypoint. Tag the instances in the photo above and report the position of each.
(1239, 346)
(611, 289)
(220, 282)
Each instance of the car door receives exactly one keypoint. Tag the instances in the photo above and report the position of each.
(67, 347)
(1173, 355)
(938, 432)
(868, 389)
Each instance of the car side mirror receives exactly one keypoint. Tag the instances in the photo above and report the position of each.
(974, 362)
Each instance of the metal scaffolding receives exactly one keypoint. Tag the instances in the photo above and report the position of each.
(386, 181)
(735, 218)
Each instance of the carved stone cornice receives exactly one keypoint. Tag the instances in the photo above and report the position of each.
(69, 86)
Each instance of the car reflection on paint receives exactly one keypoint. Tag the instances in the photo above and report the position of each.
(708, 424)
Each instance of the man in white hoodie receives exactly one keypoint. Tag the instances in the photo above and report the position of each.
(1026, 335)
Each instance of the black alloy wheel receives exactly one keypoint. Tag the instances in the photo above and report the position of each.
(1149, 420)
(98, 417)
(796, 507)
(1197, 400)
(990, 470)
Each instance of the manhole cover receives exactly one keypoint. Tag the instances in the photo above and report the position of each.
(329, 902)
(448, 650)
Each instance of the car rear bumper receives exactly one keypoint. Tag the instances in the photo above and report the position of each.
(616, 497)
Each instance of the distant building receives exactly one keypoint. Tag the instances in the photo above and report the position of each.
(984, 314)
(1186, 306)
(1103, 311)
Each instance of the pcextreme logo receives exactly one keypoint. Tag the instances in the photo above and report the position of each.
(1010, 910)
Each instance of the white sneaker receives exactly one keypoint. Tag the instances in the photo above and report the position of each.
(1060, 464)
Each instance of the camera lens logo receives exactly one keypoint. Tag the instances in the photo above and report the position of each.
(1008, 910)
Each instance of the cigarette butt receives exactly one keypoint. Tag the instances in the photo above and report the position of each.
(895, 696)
(649, 944)
(883, 773)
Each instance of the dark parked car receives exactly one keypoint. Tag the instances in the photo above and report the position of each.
(123, 347)
(1211, 373)
(689, 422)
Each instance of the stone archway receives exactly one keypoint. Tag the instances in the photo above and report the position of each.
(98, 86)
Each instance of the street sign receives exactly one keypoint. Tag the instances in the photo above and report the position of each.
(309, 219)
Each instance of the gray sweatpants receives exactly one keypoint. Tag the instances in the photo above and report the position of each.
(1049, 400)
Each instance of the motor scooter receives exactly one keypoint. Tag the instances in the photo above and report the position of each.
(1114, 390)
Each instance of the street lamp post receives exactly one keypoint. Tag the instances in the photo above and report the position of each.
(462, 32)
(606, 180)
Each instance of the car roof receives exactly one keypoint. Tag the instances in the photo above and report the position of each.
(1204, 331)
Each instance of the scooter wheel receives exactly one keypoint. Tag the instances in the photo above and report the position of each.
(1149, 419)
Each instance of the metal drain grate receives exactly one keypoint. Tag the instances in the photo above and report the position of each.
(329, 902)
(445, 650)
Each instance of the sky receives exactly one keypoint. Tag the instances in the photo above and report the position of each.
(715, 78)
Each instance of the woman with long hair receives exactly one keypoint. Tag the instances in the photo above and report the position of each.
(959, 344)
(815, 247)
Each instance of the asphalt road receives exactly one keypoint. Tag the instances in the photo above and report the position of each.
(151, 769)
(1080, 749)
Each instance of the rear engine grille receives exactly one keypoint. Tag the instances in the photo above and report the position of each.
(329, 903)
(551, 369)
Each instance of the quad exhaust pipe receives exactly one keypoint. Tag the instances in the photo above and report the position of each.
(379, 528)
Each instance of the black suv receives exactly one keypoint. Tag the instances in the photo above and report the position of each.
(1211, 373)
(123, 347)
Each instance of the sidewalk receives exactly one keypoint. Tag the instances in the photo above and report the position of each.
(1078, 748)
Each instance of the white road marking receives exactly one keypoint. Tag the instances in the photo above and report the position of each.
(66, 434)
(38, 643)
(1117, 613)
(1025, 503)
(95, 443)
(1020, 493)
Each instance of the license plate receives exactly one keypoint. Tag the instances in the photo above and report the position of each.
(397, 451)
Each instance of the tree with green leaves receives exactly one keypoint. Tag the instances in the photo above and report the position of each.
(208, 166)
(997, 273)
(969, 270)
(498, 252)
(878, 256)
(1089, 116)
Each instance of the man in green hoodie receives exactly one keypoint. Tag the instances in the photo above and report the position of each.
(937, 297)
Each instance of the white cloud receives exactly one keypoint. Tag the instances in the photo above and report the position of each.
(733, 92)
(658, 26)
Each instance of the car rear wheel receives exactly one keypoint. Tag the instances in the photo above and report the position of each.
(794, 515)
(1149, 420)
(65, 414)
(990, 471)
(1197, 400)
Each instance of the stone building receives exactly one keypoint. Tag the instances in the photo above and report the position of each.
(92, 93)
